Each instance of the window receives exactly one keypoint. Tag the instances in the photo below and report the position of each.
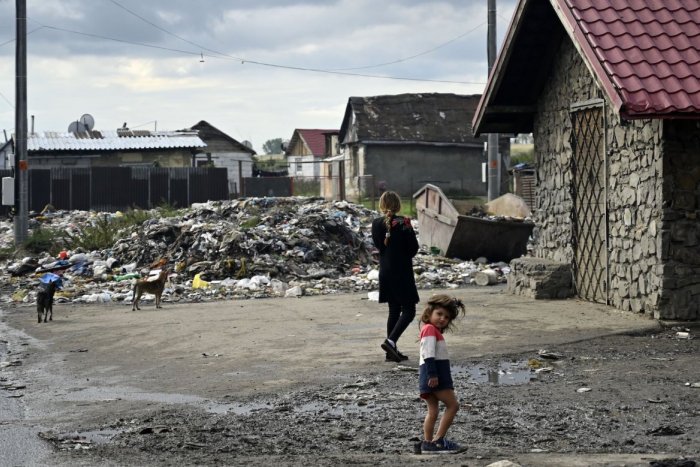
(298, 164)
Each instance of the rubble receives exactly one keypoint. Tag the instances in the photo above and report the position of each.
(245, 248)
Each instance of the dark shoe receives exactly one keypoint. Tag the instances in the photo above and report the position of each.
(387, 358)
(440, 446)
(391, 351)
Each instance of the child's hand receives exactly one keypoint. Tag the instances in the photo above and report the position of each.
(432, 382)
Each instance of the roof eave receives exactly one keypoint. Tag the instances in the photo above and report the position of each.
(494, 79)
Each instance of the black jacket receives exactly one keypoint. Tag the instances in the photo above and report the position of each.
(396, 282)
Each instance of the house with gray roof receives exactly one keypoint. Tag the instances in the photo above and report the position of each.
(401, 142)
(610, 91)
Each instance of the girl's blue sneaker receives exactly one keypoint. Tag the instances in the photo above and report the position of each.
(440, 446)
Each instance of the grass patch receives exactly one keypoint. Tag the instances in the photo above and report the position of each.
(522, 153)
(43, 239)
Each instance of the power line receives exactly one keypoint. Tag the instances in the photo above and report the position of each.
(439, 46)
(410, 57)
(7, 100)
(10, 41)
(256, 62)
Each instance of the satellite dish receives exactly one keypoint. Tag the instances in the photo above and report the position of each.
(77, 127)
(88, 121)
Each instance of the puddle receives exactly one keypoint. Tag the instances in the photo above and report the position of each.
(101, 394)
(246, 409)
(506, 373)
(339, 410)
(100, 436)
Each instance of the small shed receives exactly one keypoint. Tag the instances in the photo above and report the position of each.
(459, 235)
(610, 92)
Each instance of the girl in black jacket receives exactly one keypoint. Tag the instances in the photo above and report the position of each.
(396, 241)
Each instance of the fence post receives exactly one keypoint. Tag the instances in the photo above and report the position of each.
(341, 177)
(240, 174)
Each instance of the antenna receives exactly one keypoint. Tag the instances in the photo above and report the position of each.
(88, 121)
(201, 60)
(77, 127)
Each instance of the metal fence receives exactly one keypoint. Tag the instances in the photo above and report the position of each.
(118, 188)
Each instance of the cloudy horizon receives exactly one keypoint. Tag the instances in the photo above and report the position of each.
(254, 69)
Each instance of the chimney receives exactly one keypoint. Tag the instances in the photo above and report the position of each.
(32, 132)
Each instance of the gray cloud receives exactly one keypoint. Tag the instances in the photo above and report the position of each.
(160, 83)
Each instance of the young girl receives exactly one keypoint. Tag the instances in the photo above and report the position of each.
(435, 379)
(396, 241)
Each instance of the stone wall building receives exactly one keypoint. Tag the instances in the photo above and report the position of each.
(614, 108)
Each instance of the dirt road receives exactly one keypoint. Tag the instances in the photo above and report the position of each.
(293, 381)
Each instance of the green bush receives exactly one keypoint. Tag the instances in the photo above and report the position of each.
(43, 239)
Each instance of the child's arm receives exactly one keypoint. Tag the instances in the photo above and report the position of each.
(428, 342)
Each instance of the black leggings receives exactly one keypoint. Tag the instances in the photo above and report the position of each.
(400, 317)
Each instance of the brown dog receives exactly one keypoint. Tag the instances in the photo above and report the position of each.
(154, 287)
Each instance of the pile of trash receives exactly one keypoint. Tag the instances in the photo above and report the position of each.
(246, 248)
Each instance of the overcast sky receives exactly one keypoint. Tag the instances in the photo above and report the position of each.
(241, 65)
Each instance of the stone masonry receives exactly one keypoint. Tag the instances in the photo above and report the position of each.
(540, 278)
(636, 229)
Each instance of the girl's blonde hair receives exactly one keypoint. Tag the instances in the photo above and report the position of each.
(452, 305)
(389, 204)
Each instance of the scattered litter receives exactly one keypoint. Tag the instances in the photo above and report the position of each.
(10, 363)
(665, 430)
(79, 350)
(207, 355)
(546, 369)
(549, 355)
(580, 390)
(233, 249)
(157, 429)
(534, 363)
(503, 463)
(683, 335)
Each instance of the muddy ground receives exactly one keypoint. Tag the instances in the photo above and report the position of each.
(293, 382)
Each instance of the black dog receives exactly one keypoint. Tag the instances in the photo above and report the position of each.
(44, 301)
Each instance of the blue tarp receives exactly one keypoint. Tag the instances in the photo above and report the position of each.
(50, 277)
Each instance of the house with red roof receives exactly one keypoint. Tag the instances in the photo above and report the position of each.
(611, 93)
(307, 148)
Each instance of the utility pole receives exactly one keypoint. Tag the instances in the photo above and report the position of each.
(21, 175)
(494, 160)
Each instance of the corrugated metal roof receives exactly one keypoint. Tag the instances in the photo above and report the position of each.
(118, 140)
(648, 49)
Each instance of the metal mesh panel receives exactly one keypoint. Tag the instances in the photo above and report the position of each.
(589, 213)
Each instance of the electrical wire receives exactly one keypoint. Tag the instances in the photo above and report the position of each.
(333, 70)
(410, 57)
(13, 40)
(7, 100)
(256, 62)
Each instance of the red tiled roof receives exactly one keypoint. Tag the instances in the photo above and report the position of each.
(646, 52)
(316, 140)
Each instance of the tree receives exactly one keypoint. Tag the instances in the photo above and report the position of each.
(273, 146)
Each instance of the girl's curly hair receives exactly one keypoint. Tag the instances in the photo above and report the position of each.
(452, 305)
